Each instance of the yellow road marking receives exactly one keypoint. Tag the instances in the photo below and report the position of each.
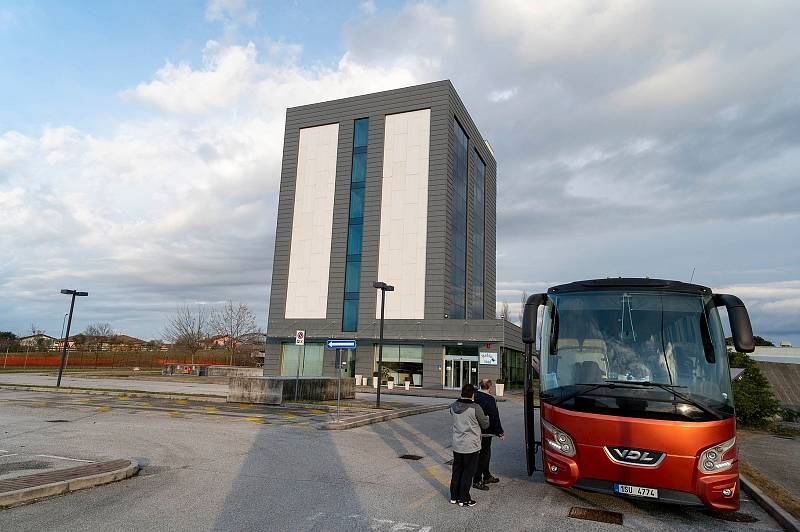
(438, 473)
(176, 414)
(182, 402)
(244, 406)
(85, 401)
(302, 424)
(317, 411)
(123, 397)
(103, 408)
(287, 415)
(143, 403)
(423, 500)
(259, 420)
(212, 410)
(38, 403)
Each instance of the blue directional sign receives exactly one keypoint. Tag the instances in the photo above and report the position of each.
(340, 344)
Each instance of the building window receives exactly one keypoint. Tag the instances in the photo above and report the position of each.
(513, 368)
(458, 225)
(478, 234)
(309, 360)
(401, 362)
(355, 226)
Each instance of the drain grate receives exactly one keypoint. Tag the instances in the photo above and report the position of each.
(591, 514)
(734, 517)
(410, 457)
(58, 420)
(24, 466)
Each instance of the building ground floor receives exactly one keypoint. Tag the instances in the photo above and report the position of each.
(419, 359)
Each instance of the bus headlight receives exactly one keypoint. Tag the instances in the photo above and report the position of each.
(557, 439)
(718, 457)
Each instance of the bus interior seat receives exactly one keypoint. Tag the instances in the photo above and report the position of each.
(588, 371)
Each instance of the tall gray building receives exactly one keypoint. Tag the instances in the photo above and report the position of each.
(396, 186)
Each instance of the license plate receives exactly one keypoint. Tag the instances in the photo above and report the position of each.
(635, 491)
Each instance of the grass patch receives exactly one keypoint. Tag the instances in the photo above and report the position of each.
(777, 493)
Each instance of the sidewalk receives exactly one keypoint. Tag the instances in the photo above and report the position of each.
(186, 388)
(770, 462)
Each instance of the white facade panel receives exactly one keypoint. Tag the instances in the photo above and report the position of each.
(404, 213)
(310, 255)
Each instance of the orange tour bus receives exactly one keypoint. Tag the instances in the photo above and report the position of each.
(635, 389)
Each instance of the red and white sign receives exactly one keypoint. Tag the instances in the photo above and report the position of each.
(300, 338)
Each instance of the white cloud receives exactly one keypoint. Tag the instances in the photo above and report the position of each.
(503, 95)
(231, 12)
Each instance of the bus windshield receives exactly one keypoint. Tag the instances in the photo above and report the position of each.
(634, 353)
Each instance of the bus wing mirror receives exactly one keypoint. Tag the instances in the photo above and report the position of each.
(529, 316)
(741, 329)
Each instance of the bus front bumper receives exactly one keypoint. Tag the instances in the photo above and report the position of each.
(565, 472)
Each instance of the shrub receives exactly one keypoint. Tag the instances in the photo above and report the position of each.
(755, 403)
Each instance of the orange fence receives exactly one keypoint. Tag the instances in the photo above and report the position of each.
(105, 359)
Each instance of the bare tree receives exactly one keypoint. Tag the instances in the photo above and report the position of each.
(233, 323)
(99, 329)
(188, 328)
(504, 310)
(522, 307)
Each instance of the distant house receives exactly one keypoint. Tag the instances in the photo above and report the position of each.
(37, 340)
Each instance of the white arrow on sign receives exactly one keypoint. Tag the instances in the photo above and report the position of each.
(340, 344)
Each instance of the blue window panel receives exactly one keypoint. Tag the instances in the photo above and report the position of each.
(352, 276)
(359, 167)
(458, 225)
(356, 203)
(478, 235)
(350, 315)
(360, 133)
(354, 233)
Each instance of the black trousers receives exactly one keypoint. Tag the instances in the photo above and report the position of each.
(485, 454)
(464, 465)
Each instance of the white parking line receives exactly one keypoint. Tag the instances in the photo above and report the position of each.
(5, 455)
(64, 458)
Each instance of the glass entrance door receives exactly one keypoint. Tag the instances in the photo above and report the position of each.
(459, 372)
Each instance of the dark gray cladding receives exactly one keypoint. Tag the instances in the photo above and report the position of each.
(443, 101)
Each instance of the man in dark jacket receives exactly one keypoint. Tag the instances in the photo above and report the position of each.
(488, 404)
(468, 421)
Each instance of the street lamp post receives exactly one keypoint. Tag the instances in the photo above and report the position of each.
(73, 293)
(383, 287)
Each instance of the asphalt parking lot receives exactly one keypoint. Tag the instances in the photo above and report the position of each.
(211, 471)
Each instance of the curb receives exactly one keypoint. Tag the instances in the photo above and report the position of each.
(14, 498)
(116, 391)
(369, 419)
(784, 518)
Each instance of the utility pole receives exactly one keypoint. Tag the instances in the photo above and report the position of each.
(383, 287)
(73, 293)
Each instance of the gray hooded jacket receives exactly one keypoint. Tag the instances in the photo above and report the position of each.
(468, 420)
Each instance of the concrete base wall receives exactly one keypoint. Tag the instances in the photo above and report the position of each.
(274, 390)
(234, 371)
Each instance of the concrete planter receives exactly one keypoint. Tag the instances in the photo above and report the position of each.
(499, 389)
(275, 390)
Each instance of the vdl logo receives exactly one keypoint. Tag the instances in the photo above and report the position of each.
(639, 457)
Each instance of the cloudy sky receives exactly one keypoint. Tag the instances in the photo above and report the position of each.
(140, 142)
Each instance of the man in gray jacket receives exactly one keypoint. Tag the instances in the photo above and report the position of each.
(468, 420)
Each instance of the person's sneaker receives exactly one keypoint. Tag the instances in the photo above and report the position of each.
(480, 486)
(453, 501)
(467, 503)
(489, 479)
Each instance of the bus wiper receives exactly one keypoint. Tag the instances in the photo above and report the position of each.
(671, 389)
(591, 388)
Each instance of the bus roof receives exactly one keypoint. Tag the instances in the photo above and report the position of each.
(630, 283)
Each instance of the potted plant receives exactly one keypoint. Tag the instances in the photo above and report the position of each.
(390, 382)
(375, 379)
(407, 383)
(500, 387)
